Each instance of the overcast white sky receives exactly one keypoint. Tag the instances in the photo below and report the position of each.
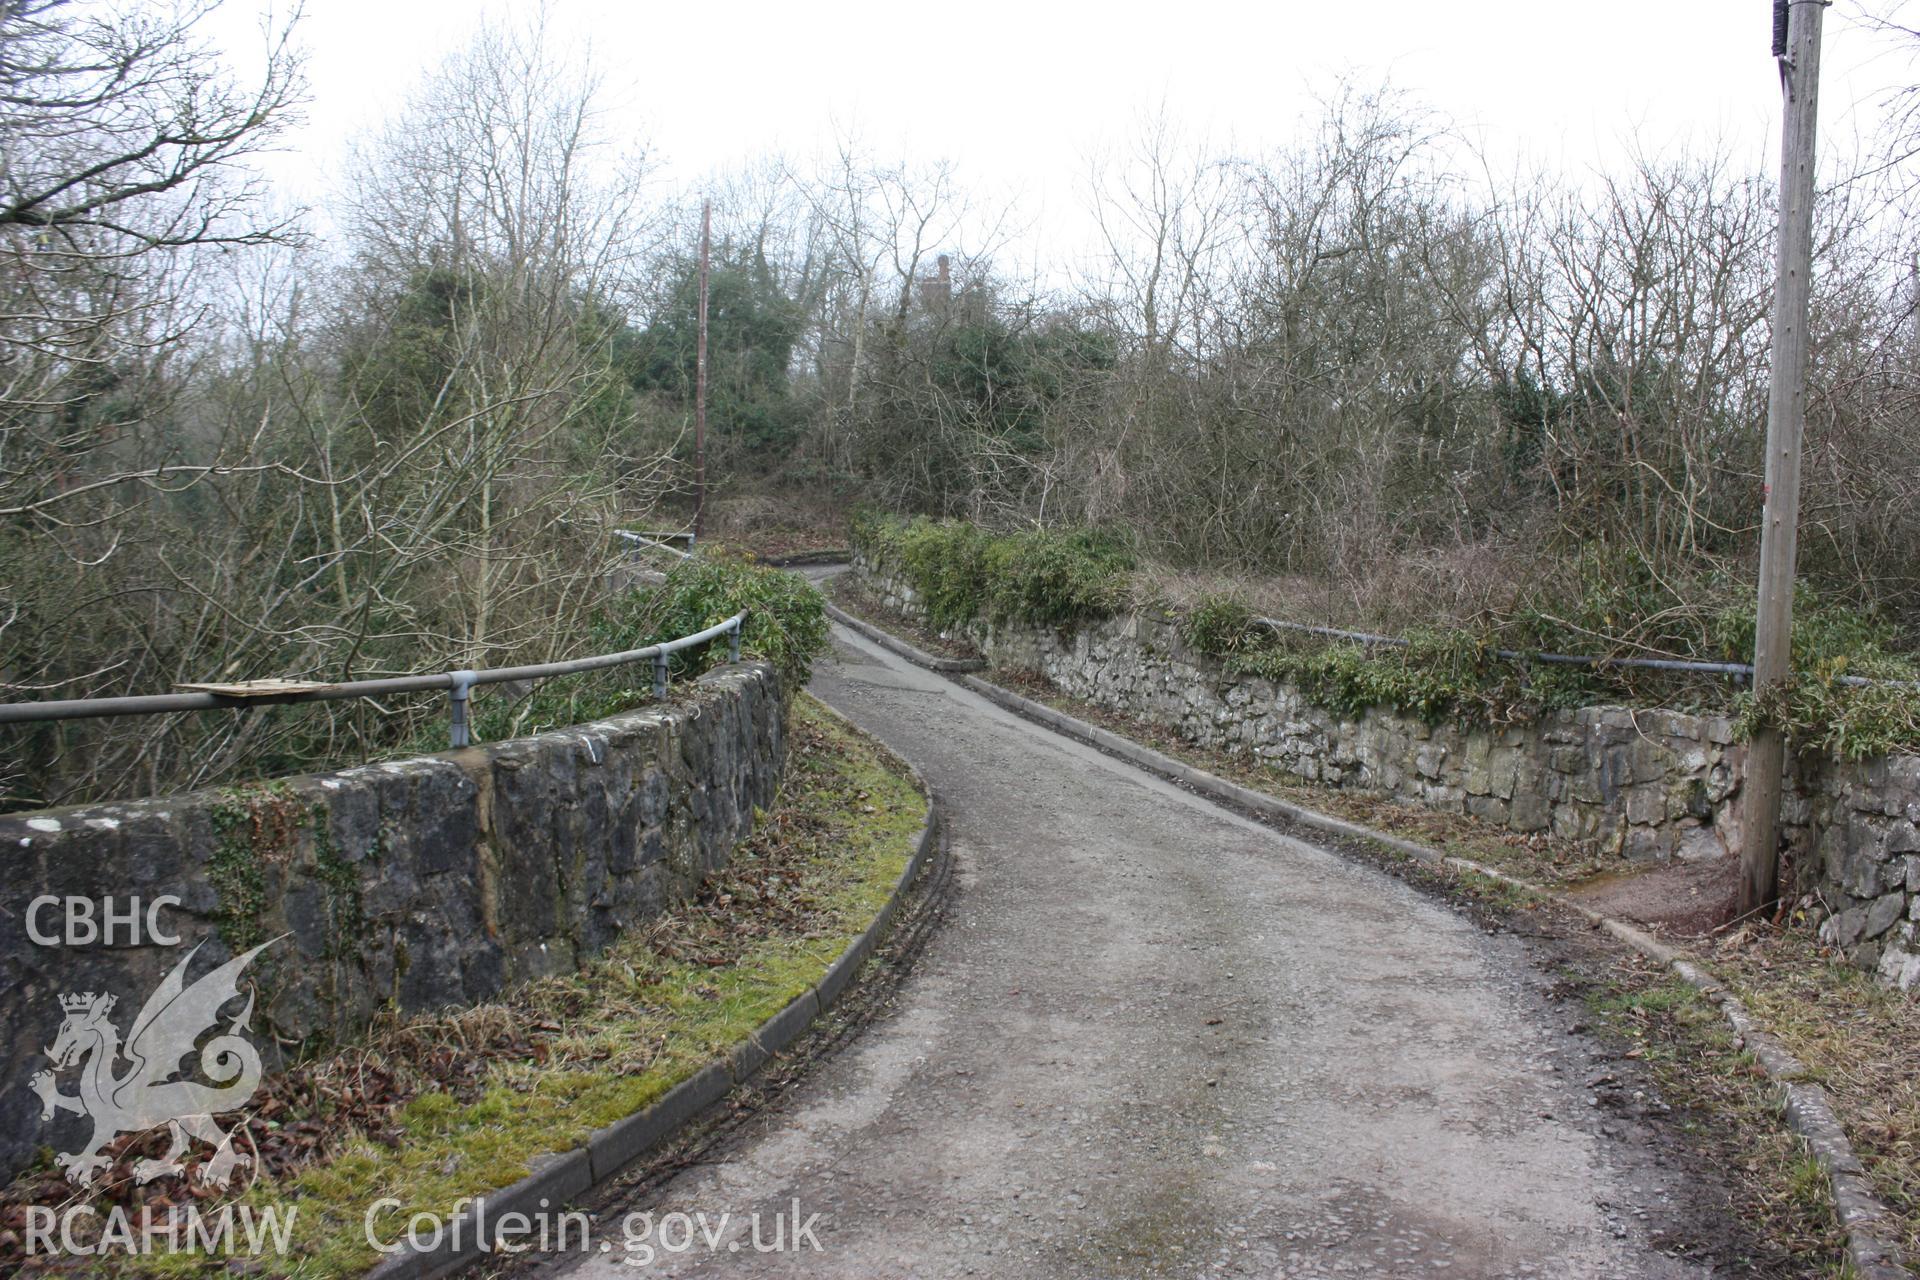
(1018, 94)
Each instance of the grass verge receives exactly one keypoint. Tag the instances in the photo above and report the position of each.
(432, 1110)
(1721, 1099)
(1858, 1039)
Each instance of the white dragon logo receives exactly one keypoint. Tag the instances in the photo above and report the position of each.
(147, 1094)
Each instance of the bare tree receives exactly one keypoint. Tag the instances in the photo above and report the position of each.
(124, 143)
(418, 473)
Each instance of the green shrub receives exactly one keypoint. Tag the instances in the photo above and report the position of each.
(1437, 675)
(1045, 577)
(1819, 713)
(945, 562)
(786, 621)
(1825, 632)
(875, 535)
(787, 626)
(1221, 625)
(1052, 578)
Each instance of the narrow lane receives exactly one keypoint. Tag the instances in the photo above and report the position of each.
(1156, 1039)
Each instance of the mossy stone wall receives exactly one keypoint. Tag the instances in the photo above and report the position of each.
(1646, 783)
(411, 885)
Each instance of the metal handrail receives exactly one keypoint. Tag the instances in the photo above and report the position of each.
(1737, 670)
(658, 540)
(458, 684)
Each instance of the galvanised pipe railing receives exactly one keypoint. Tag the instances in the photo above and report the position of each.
(659, 541)
(458, 684)
(1737, 670)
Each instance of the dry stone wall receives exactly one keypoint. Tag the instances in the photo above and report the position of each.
(1647, 784)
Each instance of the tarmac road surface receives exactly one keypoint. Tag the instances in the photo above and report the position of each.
(1153, 1038)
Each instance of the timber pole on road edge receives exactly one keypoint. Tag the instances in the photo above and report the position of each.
(1799, 63)
(700, 381)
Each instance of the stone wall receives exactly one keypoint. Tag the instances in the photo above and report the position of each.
(411, 885)
(1646, 784)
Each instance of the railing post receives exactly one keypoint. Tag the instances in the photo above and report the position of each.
(460, 694)
(659, 675)
(733, 642)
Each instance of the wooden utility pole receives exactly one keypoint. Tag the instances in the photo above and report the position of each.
(1786, 417)
(1913, 302)
(700, 382)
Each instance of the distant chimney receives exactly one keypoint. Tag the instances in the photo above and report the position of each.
(937, 293)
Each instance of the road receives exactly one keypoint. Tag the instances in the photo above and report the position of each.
(1156, 1039)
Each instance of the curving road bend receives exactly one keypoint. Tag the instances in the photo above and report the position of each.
(1155, 1039)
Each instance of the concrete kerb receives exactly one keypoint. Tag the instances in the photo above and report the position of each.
(1809, 1114)
(565, 1176)
(621, 1143)
(555, 1179)
(886, 640)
